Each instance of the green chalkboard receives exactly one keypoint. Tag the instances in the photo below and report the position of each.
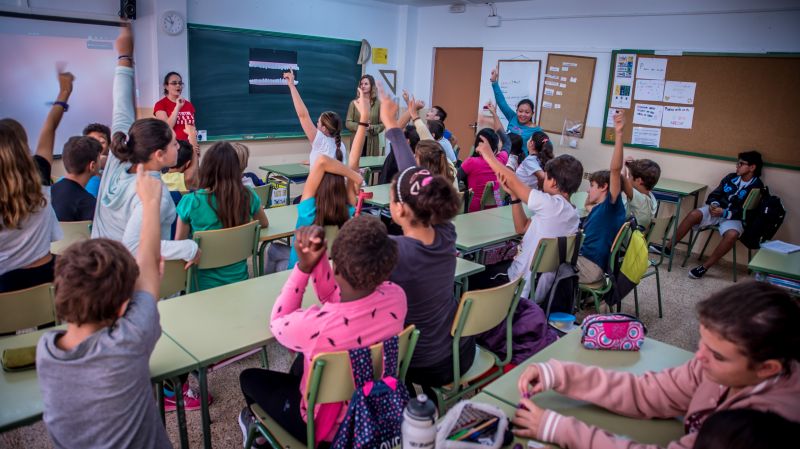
(233, 73)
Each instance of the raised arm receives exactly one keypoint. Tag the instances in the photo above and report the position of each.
(362, 109)
(498, 127)
(400, 148)
(325, 164)
(614, 182)
(148, 256)
(302, 112)
(500, 98)
(511, 182)
(123, 110)
(47, 137)
(413, 107)
(627, 182)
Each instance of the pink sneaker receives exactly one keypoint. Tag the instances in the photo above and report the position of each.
(191, 400)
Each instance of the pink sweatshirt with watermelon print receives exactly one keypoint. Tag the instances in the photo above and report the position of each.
(332, 326)
(681, 391)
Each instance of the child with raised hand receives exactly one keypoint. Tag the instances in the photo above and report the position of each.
(475, 172)
(429, 153)
(747, 358)
(423, 205)
(540, 150)
(95, 375)
(325, 136)
(639, 178)
(520, 121)
(149, 145)
(27, 222)
(358, 307)
(221, 201)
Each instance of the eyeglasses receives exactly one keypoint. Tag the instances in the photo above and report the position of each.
(175, 83)
(741, 163)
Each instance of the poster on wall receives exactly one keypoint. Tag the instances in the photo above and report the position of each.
(651, 68)
(646, 136)
(624, 68)
(647, 114)
(679, 92)
(649, 90)
(678, 117)
(266, 69)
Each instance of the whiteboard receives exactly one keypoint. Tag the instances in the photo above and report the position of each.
(519, 79)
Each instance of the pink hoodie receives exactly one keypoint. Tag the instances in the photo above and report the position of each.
(680, 391)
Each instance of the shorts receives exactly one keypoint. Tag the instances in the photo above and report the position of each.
(725, 225)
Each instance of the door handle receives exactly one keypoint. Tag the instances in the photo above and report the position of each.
(473, 125)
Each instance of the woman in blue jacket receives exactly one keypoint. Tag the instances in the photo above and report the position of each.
(520, 122)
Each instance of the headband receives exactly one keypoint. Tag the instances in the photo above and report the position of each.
(418, 180)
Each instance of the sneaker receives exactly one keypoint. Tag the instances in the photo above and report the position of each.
(191, 400)
(658, 249)
(697, 272)
(246, 419)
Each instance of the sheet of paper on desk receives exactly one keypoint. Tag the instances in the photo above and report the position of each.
(779, 246)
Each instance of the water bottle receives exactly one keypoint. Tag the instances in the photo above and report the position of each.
(418, 428)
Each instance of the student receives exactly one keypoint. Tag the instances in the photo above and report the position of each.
(366, 87)
(540, 149)
(607, 215)
(102, 134)
(519, 121)
(424, 205)
(221, 202)
(71, 201)
(325, 136)
(95, 375)
(436, 129)
(173, 108)
(475, 172)
(248, 179)
(745, 428)
(555, 215)
(438, 113)
(150, 145)
(176, 177)
(27, 222)
(359, 307)
(428, 152)
(515, 153)
(724, 208)
(641, 176)
(747, 358)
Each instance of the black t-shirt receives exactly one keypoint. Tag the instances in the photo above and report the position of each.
(44, 169)
(71, 201)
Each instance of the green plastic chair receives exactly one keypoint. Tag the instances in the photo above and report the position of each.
(264, 194)
(487, 198)
(174, 279)
(545, 258)
(28, 308)
(74, 231)
(479, 311)
(658, 233)
(466, 200)
(330, 380)
(578, 199)
(749, 204)
(223, 247)
(603, 286)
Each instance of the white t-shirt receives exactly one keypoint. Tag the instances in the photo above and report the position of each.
(323, 144)
(448, 149)
(643, 207)
(553, 216)
(20, 247)
(526, 171)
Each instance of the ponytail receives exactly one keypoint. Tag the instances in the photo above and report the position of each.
(333, 124)
(543, 147)
(144, 138)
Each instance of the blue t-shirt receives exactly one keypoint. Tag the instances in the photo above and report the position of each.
(306, 213)
(600, 228)
(511, 115)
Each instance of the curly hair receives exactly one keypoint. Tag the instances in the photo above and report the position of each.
(93, 280)
(363, 254)
(431, 198)
(20, 182)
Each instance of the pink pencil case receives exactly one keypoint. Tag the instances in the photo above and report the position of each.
(614, 331)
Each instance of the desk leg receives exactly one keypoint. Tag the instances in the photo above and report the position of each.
(261, 248)
(181, 412)
(160, 401)
(206, 417)
(675, 232)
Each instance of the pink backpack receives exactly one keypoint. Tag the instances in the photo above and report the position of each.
(617, 331)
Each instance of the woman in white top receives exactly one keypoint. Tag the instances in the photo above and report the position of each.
(28, 223)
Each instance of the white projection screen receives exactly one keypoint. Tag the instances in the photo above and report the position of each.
(30, 49)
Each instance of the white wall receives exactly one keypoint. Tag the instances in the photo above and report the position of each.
(583, 27)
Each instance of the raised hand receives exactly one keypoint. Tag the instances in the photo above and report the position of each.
(363, 106)
(309, 243)
(493, 77)
(388, 108)
(491, 107)
(148, 188)
(124, 42)
(484, 149)
(289, 77)
(619, 121)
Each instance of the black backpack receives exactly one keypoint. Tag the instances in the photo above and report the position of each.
(564, 289)
(763, 221)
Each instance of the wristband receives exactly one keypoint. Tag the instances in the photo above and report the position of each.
(128, 57)
(63, 104)
(516, 201)
(363, 124)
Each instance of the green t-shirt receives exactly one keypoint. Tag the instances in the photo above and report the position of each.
(194, 209)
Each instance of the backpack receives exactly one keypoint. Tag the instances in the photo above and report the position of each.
(564, 289)
(763, 221)
(628, 274)
(376, 409)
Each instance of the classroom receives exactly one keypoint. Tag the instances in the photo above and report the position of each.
(557, 224)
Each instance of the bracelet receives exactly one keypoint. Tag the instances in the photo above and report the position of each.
(363, 124)
(63, 104)
(516, 201)
(128, 57)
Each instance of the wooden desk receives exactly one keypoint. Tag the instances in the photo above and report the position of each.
(380, 195)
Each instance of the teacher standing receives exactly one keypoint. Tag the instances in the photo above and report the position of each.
(366, 86)
(173, 108)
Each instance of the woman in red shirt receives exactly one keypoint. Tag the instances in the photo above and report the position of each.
(173, 108)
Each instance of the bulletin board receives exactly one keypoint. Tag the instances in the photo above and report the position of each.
(566, 90)
(711, 105)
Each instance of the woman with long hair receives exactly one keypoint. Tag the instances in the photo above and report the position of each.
(366, 87)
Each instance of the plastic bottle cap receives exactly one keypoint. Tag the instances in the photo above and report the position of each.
(421, 407)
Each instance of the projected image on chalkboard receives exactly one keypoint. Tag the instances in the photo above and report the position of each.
(267, 68)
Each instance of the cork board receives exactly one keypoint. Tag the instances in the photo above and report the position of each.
(741, 102)
(572, 76)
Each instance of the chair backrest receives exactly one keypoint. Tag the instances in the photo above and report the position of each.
(331, 377)
(750, 202)
(23, 309)
(578, 199)
(226, 246)
(468, 194)
(659, 229)
(487, 198)
(174, 279)
(264, 194)
(621, 239)
(74, 231)
(545, 258)
(366, 173)
(481, 310)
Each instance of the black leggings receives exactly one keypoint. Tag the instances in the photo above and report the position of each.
(23, 278)
(278, 394)
(441, 373)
